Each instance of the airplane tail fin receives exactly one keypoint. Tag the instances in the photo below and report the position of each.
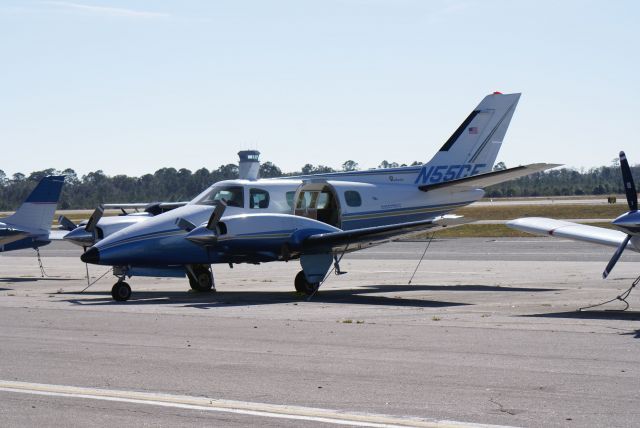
(474, 146)
(36, 212)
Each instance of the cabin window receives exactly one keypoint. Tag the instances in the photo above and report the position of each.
(290, 196)
(323, 200)
(305, 200)
(352, 198)
(258, 199)
(233, 196)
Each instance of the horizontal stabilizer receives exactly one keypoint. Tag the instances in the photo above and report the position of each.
(10, 235)
(574, 231)
(489, 178)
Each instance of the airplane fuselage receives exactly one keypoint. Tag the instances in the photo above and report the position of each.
(325, 203)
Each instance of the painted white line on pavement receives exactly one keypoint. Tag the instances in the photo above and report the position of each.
(229, 406)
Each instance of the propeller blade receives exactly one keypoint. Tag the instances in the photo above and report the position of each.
(615, 257)
(94, 219)
(629, 186)
(185, 224)
(66, 223)
(216, 215)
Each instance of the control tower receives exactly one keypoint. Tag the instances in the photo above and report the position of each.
(249, 164)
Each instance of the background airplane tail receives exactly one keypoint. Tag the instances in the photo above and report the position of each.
(474, 146)
(37, 211)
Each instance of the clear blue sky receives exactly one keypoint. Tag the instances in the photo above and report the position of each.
(132, 86)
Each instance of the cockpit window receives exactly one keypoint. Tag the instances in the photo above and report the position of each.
(258, 199)
(232, 195)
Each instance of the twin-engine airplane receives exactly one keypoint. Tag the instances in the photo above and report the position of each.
(315, 218)
(30, 225)
(628, 224)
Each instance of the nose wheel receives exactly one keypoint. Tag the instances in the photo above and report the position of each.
(304, 286)
(121, 291)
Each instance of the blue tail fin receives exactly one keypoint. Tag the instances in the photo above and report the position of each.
(36, 212)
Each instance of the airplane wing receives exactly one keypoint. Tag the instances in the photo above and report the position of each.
(153, 208)
(131, 206)
(357, 239)
(57, 234)
(489, 178)
(575, 231)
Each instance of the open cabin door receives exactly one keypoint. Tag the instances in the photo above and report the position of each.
(318, 201)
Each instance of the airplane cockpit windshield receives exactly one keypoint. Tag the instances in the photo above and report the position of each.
(232, 195)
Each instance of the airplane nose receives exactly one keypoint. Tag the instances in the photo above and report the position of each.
(92, 255)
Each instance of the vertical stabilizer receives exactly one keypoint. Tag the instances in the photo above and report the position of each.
(36, 212)
(472, 149)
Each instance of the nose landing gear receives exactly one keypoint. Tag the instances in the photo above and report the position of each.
(121, 291)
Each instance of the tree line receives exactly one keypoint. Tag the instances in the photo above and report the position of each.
(170, 184)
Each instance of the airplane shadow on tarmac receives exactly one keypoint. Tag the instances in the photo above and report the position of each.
(244, 298)
(592, 315)
(38, 278)
(635, 334)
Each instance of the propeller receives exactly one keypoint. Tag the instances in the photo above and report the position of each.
(216, 215)
(94, 219)
(629, 186)
(632, 200)
(66, 223)
(208, 235)
(86, 236)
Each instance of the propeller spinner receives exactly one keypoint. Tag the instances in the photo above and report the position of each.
(86, 236)
(208, 235)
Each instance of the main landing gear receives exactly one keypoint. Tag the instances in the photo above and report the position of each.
(304, 286)
(201, 278)
(121, 291)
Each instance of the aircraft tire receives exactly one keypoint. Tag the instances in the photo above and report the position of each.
(121, 291)
(304, 286)
(203, 280)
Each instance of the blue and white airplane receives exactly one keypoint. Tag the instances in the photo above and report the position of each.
(30, 225)
(314, 218)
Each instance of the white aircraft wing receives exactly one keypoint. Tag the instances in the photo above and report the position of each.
(575, 231)
(489, 178)
(357, 239)
(57, 234)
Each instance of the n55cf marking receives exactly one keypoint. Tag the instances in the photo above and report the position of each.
(437, 174)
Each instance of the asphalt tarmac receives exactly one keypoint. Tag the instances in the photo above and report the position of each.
(488, 332)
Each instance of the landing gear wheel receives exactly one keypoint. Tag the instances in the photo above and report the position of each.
(203, 280)
(121, 291)
(304, 286)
